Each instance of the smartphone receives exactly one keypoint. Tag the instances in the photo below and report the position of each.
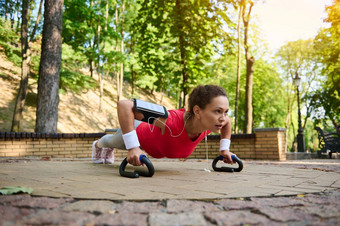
(144, 106)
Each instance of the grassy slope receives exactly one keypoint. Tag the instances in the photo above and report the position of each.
(78, 113)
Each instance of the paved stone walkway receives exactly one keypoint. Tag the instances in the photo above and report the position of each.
(180, 193)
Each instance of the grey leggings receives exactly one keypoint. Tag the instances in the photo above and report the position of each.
(114, 140)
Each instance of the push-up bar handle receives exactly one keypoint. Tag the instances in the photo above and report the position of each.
(228, 169)
(137, 173)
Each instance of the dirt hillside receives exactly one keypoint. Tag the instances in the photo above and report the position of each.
(78, 113)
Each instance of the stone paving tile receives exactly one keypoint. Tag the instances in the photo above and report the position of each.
(311, 209)
(120, 219)
(56, 217)
(187, 218)
(178, 206)
(238, 217)
(279, 202)
(91, 206)
(233, 204)
(139, 207)
(287, 214)
(323, 200)
(336, 184)
(10, 214)
(39, 202)
(324, 211)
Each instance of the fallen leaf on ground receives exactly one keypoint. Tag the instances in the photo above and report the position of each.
(15, 190)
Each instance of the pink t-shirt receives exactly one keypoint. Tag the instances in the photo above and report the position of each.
(160, 146)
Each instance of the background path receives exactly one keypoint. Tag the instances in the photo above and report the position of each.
(172, 179)
(180, 193)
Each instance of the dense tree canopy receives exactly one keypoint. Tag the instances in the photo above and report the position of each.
(172, 46)
(326, 99)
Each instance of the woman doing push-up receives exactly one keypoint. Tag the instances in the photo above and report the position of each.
(175, 134)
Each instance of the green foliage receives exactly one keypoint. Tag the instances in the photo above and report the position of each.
(35, 62)
(10, 41)
(268, 93)
(76, 82)
(325, 104)
(297, 57)
(268, 97)
(72, 59)
(326, 99)
(317, 62)
(176, 41)
(70, 78)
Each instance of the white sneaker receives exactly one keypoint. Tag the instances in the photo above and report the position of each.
(97, 154)
(108, 155)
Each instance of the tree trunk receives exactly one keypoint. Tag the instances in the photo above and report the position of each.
(12, 20)
(92, 44)
(101, 52)
(132, 80)
(101, 88)
(37, 22)
(91, 66)
(133, 76)
(238, 69)
(290, 102)
(249, 96)
(250, 60)
(117, 49)
(122, 50)
(99, 68)
(48, 83)
(6, 11)
(183, 59)
(22, 93)
(294, 143)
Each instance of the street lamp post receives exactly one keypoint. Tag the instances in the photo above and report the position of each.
(300, 136)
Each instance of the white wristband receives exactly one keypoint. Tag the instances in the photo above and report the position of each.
(131, 140)
(224, 144)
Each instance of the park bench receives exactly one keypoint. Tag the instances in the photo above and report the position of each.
(329, 143)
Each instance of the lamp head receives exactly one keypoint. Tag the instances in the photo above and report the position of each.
(297, 79)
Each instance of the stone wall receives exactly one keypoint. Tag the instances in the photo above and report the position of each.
(43, 145)
(270, 144)
(264, 144)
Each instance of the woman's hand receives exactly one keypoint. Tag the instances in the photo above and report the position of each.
(227, 156)
(133, 156)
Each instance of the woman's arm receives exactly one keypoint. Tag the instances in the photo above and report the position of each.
(226, 130)
(226, 134)
(126, 117)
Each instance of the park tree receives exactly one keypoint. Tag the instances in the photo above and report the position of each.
(268, 104)
(26, 39)
(21, 96)
(153, 45)
(48, 82)
(247, 6)
(79, 28)
(238, 75)
(176, 42)
(297, 58)
(98, 30)
(326, 100)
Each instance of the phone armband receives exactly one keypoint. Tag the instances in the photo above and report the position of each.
(150, 110)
